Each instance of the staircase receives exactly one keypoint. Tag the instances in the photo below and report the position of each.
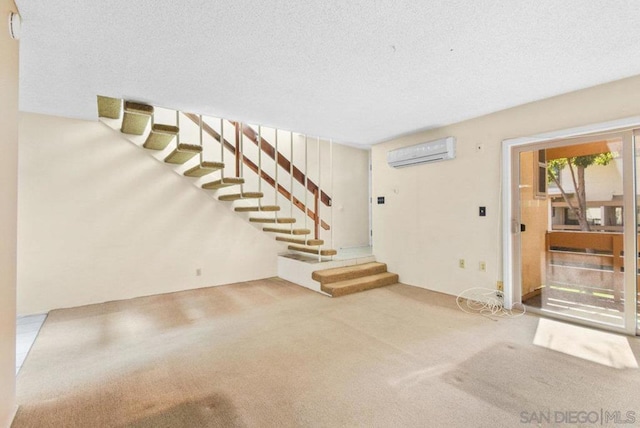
(352, 279)
(137, 120)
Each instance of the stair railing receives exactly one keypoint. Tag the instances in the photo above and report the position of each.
(260, 165)
(314, 213)
(200, 139)
(331, 188)
(242, 130)
(240, 156)
(303, 177)
(297, 173)
(221, 139)
(306, 176)
(291, 175)
(275, 173)
(316, 195)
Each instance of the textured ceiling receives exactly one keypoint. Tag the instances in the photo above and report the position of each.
(360, 72)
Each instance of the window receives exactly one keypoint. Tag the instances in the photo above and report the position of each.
(540, 175)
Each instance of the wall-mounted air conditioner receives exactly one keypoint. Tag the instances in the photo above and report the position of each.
(432, 151)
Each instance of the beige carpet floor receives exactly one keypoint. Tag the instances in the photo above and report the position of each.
(272, 354)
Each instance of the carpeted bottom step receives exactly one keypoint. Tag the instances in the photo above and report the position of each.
(256, 208)
(328, 276)
(311, 250)
(223, 182)
(287, 231)
(308, 242)
(203, 169)
(238, 196)
(283, 220)
(351, 279)
(355, 285)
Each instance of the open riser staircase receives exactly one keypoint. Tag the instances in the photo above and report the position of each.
(278, 179)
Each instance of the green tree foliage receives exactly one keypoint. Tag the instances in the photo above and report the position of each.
(578, 203)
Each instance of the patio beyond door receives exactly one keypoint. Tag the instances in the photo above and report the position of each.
(576, 202)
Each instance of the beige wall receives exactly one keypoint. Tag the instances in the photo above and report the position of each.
(102, 220)
(8, 212)
(350, 197)
(430, 219)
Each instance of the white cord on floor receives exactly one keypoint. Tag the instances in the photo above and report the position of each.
(486, 302)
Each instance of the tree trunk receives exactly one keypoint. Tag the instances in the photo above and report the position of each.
(581, 211)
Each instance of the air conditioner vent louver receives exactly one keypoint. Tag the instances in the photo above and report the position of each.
(432, 151)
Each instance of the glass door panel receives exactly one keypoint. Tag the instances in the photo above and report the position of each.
(572, 238)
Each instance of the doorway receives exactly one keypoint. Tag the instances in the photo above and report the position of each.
(567, 239)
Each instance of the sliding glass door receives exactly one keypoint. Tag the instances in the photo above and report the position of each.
(576, 229)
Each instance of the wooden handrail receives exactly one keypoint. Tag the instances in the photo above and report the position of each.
(592, 241)
(266, 177)
(598, 241)
(583, 240)
(284, 192)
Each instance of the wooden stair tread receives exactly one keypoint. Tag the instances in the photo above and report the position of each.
(223, 182)
(133, 107)
(256, 208)
(287, 231)
(160, 136)
(312, 250)
(182, 153)
(355, 285)
(287, 220)
(238, 196)
(204, 168)
(109, 107)
(303, 241)
(328, 276)
(160, 128)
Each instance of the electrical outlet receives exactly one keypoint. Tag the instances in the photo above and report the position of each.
(500, 286)
(461, 263)
(482, 266)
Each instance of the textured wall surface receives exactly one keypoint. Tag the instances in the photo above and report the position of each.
(8, 214)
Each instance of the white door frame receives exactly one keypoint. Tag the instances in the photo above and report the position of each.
(510, 226)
